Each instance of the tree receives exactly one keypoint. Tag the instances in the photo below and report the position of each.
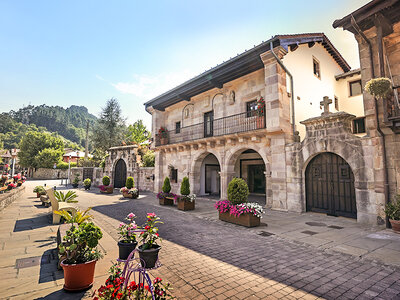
(110, 128)
(138, 133)
(33, 143)
(149, 159)
(48, 157)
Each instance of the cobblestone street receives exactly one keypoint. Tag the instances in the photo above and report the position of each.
(202, 257)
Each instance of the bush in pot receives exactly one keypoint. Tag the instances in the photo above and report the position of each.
(79, 247)
(186, 201)
(238, 191)
(148, 250)
(68, 197)
(392, 210)
(165, 197)
(75, 183)
(106, 187)
(127, 236)
(87, 183)
(39, 190)
(128, 190)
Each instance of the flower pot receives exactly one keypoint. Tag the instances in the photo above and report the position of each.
(108, 190)
(37, 195)
(260, 122)
(75, 185)
(87, 187)
(164, 140)
(148, 257)
(125, 249)
(166, 201)
(78, 277)
(185, 205)
(246, 219)
(395, 225)
(127, 195)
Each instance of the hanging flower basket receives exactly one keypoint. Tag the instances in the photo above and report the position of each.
(379, 87)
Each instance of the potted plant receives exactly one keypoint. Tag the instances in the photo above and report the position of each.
(79, 247)
(128, 191)
(261, 113)
(68, 197)
(236, 209)
(87, 183)
(106, 188)
(165, 197)
(379, 87)
(127, 237)
(39, 190)
(186, 201)
(75, 183)
(10, 186)
(148, 251)
(163, 134)
(392, 210)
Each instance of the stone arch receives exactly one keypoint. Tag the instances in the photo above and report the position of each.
(233, 154)
(195, 169)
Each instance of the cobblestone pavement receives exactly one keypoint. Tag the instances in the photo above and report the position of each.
(202, 257)
(229, 261)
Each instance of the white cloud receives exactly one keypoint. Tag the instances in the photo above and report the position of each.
(147, 87)
(99, 77)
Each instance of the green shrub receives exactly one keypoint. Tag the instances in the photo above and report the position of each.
(379, 87)
(130, 182)
(166, 188)
(185, 186)
(106, 180)
(87, 182)
(64, 165)
(238, 191)
(149, 159)
(393, 209)
(76, 179)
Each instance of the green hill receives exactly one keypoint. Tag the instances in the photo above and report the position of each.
(70, 123)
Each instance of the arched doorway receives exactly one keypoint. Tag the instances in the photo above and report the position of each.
(330, 186)
(210, 183)
(120, 174)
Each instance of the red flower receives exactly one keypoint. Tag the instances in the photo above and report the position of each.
(157, 234)
(147, 227)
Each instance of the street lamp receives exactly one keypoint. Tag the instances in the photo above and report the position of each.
(69, 169)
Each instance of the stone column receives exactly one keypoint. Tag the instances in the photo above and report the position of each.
(158, 171)
(225, 178)
(277, 104)
(268, 189)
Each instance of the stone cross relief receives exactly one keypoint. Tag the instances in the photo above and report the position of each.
(325, 103)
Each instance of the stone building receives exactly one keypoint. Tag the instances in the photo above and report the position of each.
(210, 130)
(376, 27)
(123, 162)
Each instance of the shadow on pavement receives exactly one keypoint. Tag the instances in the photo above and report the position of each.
(32, 223)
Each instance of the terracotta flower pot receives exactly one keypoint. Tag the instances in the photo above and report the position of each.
(395, 225)
(108, 190)
(78, 277)
(148, 257)
(260, 122)
(37, 195)
(127, 195)
(125, 249)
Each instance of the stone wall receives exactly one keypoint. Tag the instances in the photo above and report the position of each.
(144, 179)
(43, 173)
(9, 197)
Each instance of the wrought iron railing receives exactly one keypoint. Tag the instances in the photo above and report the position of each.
(392, 106)
(242, 122)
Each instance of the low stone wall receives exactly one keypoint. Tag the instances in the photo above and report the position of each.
(43, 173)
(144, 179)
(9, 197)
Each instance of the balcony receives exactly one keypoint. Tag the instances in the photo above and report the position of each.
(392, 112)
(238, 123)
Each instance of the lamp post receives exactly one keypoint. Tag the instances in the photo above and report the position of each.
(69, 169)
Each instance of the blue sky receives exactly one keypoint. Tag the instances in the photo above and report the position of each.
(85, 52)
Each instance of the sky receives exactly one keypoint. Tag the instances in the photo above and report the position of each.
(84, 52)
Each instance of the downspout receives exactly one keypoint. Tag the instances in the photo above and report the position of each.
(378, 128)
(291, 87)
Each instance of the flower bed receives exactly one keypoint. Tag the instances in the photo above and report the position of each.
(186, 202)
(245, 214)
(130, 193)
(106, 189)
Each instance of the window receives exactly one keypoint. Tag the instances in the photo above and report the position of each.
(251, 108)
(336, 103)
(355, 88)
(178, 127)
(359, 125)
(316, 68)
(174, 175)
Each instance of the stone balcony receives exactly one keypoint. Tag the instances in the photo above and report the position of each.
(230, 125)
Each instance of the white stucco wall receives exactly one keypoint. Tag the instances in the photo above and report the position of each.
(351, 104)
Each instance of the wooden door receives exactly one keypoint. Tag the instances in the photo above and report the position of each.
(330, 186)
(120, 174)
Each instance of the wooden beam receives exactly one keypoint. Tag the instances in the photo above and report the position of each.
(381, 21)
(311, 44)
(293, 47)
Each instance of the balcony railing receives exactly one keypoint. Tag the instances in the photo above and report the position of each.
(392, 111)
(242, 122)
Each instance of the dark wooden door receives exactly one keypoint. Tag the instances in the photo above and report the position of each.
(208, 124)
(330, 186)
(256, 178)
(120, 174)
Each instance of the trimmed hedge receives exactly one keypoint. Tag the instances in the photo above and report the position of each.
(130, 182)
(106, 180)
(166, 188)
(185, 186)
(238, 191)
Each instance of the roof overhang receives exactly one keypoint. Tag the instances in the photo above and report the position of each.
(385, 11)
(239, 66)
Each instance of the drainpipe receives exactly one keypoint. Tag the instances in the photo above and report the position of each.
(291, 87)
(378, 128)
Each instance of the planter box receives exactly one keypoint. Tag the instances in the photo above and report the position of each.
(185, 205)
(166, 201)
(248, 220)
(127, 195)
(109, 190)
(395, 225)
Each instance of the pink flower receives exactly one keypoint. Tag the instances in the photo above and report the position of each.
(122, 224)
(151, 215)
(131, 216)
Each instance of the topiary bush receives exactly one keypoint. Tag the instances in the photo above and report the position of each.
(238, 191)
(106, 180)
(130, 182)
(185, 186)
(166, 188)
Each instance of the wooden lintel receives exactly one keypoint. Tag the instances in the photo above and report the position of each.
(381, 21)
(311, 44)
(293, 47)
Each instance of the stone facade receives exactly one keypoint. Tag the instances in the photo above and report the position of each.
(43, 173)
(143, 177)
